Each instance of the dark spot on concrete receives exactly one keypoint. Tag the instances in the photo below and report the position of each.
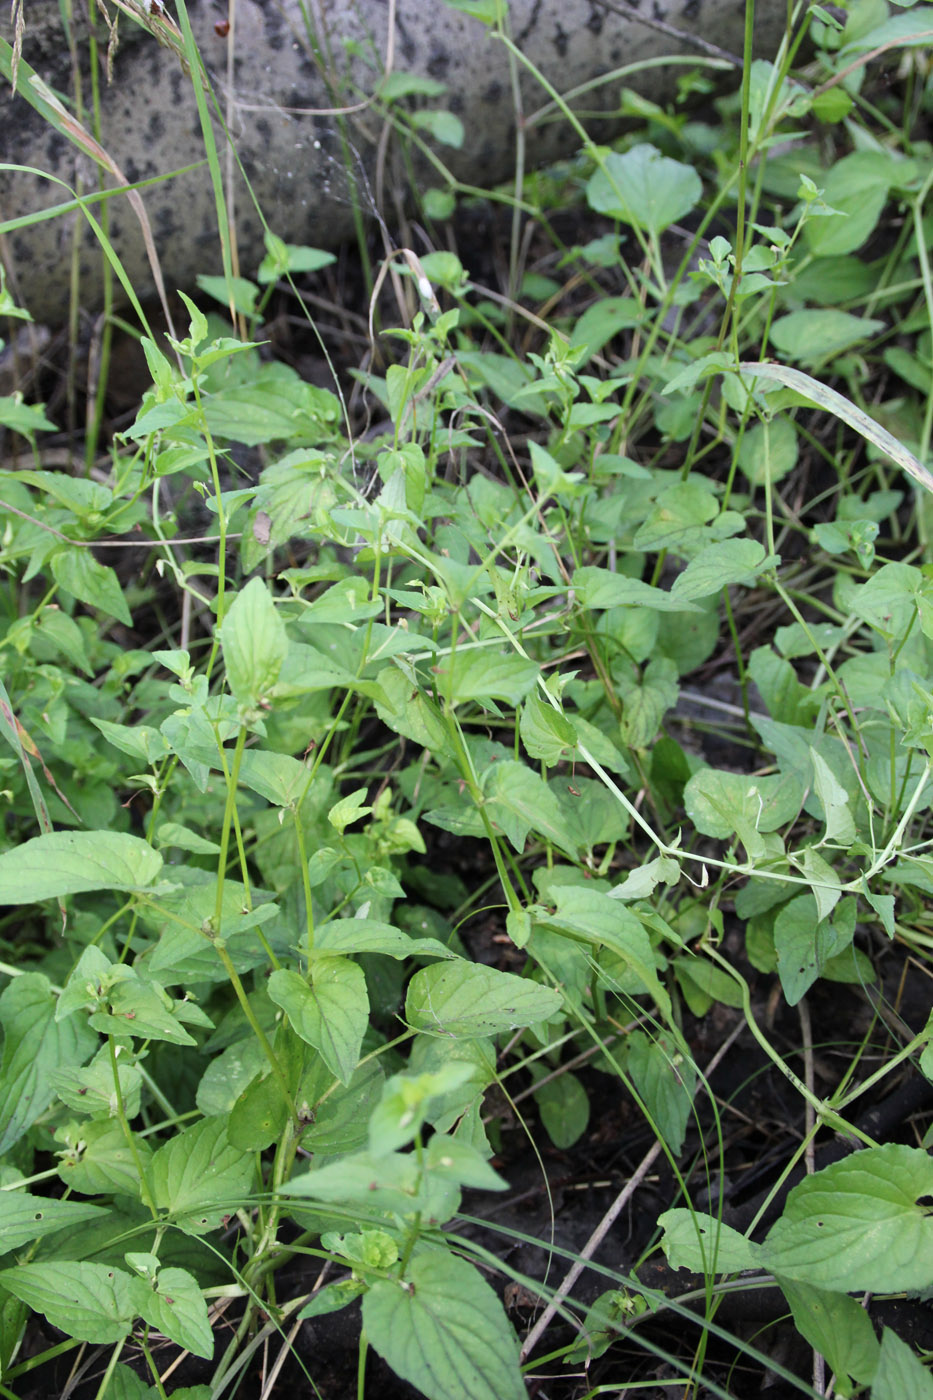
(275, 41)
(439, 63)
(595, 22)
(407, 45)
(493, 93)
(264, 129)
(55, 148)
(155, 127)
(561, 41)
(530, 27)
(166, 222)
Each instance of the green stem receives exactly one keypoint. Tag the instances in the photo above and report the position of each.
(144, 1191)
(824, 1112)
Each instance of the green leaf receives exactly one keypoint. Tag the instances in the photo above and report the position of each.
(768, 451)
(486, 674)
(97, 1159)
(371, 936)
(396, 85)
(126, 1385)
(332, 1013)
(786, 699)
(176, 1307)
(272, 405)
(547, 733)
(857, 188)
(284, 257)
(486, 11)
(646, 701)
(665, 1080)
(596, 918)
(90, 1302)
(349, 810)
(805, 943)
(78, 572)
(603, 588)
(395, 1181)
(901, 1375)
(24, 418)
(702, 983)
(340, 1118)
(517, 800)
(406, 711)
(438, 204)
(62, 632)
(644, 189)
(34, 1044)
(564, 1106)
(825, 884)
(72, 862)
(719, 565)
(679, 522)
(140, 741)
(459, 1159)
(862, 1224)
(239, 290)
(642, 882)
(699, 1242)
(24, 1217)
(279, 778)
(810, 336)
(839, 1328)
(466, 999)
(332, 1297)
(720, 803)
(444, 126)
(254, 643)
(443, 1330)
(228, 1075)
(198, 1177)
(10, 729)
(182, 838)
(602, 321)
(405, 1103)
(141, 1009)
(840, 823)
(831, 106)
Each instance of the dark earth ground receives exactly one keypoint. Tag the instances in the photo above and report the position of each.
(561, 1197)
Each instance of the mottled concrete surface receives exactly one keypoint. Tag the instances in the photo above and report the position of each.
(269, 65)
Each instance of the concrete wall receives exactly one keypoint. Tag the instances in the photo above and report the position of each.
(267, 66)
